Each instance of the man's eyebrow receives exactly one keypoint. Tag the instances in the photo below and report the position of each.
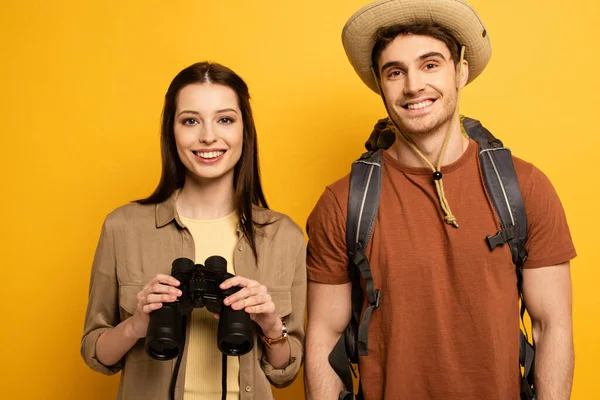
(432, 54)
(400, 64)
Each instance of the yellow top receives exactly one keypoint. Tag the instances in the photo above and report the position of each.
(203, 368)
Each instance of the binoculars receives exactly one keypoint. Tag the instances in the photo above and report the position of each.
(199, 285)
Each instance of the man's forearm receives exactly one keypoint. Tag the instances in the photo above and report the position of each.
(554, 362)
(328, 315)
(321, 382)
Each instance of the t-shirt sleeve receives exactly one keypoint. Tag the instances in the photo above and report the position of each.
(549, 239)
(326, 260)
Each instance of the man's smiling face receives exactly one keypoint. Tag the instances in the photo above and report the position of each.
(419, 83)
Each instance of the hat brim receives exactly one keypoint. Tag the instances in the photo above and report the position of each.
(358, 35)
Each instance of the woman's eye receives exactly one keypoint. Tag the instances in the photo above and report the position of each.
(190, 121)
(225, 120)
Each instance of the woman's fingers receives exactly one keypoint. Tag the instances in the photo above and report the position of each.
(161, 279)
(256, 304)
(245, 293)
(160, 298)
(253, 297)
(264, 308)
(148, 308)
(166, 280)
(162, 288)
(237, 281)
(159, 290)
(251, 304)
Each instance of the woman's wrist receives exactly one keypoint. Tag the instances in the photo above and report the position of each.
(275, 330)
(130, 331)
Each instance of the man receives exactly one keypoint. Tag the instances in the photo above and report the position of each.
(447, 326)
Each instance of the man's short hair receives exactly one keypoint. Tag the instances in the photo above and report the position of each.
(385, 35)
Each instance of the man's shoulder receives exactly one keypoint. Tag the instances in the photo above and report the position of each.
(339, 189)
(332, 203)
(527, 173)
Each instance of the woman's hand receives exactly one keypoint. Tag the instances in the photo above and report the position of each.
(161, 289)
(254, 299)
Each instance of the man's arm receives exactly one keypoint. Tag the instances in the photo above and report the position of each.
(329, 310)
(547, 293)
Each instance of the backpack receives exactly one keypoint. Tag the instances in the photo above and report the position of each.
(503, 189)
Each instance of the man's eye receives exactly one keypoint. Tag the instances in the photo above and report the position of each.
(431, 66)
(395, 73)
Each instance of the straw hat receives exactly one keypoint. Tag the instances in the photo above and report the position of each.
(358, 35)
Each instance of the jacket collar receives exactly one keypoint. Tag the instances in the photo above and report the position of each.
(166, 212)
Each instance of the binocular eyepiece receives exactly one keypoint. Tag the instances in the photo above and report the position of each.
(199, 285)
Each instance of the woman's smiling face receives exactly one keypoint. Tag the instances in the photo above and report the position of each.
(209, 131)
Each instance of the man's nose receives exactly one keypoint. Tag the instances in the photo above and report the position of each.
(414, 82)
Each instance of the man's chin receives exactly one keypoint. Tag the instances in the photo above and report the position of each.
(425, 126)
(418, 129)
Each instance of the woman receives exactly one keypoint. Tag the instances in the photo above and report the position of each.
(209, 201)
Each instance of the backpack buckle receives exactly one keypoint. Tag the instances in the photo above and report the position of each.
(377, 296)
(503, 236)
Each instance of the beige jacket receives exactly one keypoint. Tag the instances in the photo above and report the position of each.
(140, 241)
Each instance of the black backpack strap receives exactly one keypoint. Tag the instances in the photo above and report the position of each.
(503, 188)
(338, 360)
(363, 204)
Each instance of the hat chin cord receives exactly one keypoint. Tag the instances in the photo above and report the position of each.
(437, 175)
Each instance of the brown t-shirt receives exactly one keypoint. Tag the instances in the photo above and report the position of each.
(448, 323)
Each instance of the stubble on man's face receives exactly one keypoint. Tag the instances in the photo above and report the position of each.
(430, 124)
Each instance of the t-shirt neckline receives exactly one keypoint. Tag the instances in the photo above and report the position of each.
(229, 216)
(425, 170)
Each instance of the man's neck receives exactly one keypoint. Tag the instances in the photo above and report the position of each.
(430, 145)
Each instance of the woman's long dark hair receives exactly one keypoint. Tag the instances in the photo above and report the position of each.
(246, 176)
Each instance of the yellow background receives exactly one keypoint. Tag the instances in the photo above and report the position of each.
(82, 85)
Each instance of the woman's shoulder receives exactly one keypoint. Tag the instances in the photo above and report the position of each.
(276, 223)
(131, 214)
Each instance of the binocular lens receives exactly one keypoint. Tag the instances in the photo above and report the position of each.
(162, 338)
(162, 349)
(235, 345)
(234, 335)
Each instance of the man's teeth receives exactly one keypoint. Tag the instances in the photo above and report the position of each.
(209, 154)
(422, 104)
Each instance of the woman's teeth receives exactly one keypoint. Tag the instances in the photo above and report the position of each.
(209, 154)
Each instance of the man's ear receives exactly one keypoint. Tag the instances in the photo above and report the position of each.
(465, 73)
